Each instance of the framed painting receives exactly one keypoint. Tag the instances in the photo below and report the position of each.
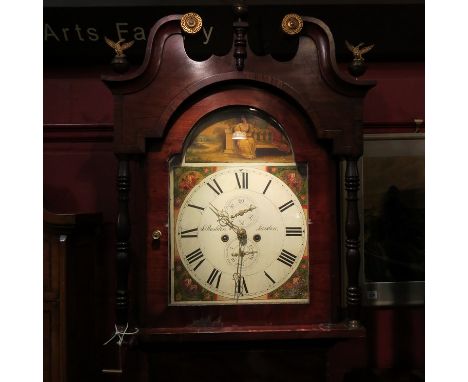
(392, 216)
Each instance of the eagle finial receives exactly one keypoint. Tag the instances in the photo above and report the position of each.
(118, 46)
(357, 51)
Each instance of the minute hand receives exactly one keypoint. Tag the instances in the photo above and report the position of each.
(242, 212)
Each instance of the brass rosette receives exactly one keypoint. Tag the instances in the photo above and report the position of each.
(191, 23)
(292, 24)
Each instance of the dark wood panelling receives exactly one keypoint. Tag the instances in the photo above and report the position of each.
(70, 328)
(53, 367)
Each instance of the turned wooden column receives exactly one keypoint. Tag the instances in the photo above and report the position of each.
(352, 243)
(122, 246)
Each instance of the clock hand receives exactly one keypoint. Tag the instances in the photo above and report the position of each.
(215, 210)
(241, 286)
(224, 220)
(244, 253)
(242, 212)
(238, 287)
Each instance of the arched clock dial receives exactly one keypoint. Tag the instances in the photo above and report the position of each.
(241, 233)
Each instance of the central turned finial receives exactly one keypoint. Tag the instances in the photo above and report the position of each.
(240, 30)
(240, 9)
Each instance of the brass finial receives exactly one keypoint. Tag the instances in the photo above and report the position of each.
(357, 67)
(292, 24)
(191, 23)
(118, 46)
(119, 63)
(357, 51)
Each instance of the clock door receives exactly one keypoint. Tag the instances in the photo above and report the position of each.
(248, 229)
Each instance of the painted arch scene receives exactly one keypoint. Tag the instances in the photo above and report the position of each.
(214, 140)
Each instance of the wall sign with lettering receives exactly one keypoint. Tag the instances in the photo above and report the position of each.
(76, 35)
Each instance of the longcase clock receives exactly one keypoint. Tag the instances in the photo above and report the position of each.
(234, 190)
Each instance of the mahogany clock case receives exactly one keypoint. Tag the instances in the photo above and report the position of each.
(155, 108)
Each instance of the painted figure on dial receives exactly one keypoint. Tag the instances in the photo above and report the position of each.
(246, 146)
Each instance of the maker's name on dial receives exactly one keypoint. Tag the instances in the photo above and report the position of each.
(267, 228)
(211, 228)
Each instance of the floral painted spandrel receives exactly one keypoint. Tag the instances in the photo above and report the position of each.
(296, 179)
(186, 178)
(297, 287)
(186, 288)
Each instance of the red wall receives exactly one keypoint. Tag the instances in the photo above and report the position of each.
(78, 96)
(80, 175)
(398, 97)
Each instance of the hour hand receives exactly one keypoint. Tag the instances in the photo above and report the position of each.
(215, 210)
(224, 220)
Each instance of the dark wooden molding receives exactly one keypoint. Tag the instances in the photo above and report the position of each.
(78, 132)
(69, 222)
(410, 126)
(249, 333)
(104, 132)
(312, 75)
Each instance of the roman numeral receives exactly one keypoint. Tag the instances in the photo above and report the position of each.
(194, 206)
(271, 279)
(194, 256)
(287, 258)
(241, 284)
(245, 285)
(293, 231)
(218, 190)
(268, 185)
(286, 205)
(189, 233)
(245, 180)
(215, 272)
(199, 263)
